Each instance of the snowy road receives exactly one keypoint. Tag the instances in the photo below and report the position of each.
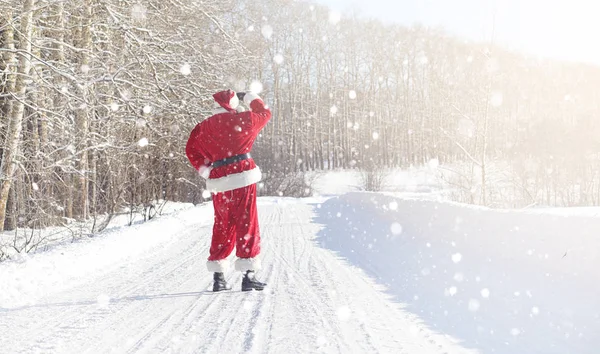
(158, 301)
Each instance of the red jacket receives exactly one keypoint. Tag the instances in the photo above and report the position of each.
(225, 134)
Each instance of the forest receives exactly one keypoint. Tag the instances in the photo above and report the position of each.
(97, 99)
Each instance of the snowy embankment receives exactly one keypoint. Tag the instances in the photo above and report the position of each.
(499, 281)
(28, 277)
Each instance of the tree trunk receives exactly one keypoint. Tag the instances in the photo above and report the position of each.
(81, 207)
(13, 136)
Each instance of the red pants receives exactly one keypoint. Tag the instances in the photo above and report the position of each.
(236, 224)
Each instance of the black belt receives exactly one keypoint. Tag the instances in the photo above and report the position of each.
(230, 160)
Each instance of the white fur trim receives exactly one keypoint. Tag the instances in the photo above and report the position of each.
(219, 110)
(249, 97)
(204, 171)
(234, 101)
(244, 264)
(234, 181)
(218, 266)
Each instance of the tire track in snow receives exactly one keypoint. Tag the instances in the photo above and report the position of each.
(314, 302)
(62, 327)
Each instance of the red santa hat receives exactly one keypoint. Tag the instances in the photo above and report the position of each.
(227, 99)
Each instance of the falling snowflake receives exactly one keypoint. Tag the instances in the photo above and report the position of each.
(185, 69)
(334, 17)
(515, 332)
(205, 194)
(143, 142)
(147, 109)
(103, 300)
(535, 310)
(474, 305)
(466, 127)
(278, 58)
(114, 106)
(452, 291)
(321, 341)
(85, 68)
(248, 305)
(485, 293)
(256, 87)
(267, 31)
(433, 163)
(343, 313)
(396, 228)
(496, 99)
(333, 110)
(413, 330)
(457, 257)
(35, 186)
(138, 12)
(352, 94)
(375, 135)
(393, 205)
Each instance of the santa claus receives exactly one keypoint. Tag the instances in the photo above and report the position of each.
(219, 149)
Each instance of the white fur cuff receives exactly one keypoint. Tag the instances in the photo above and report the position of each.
(218, 266)
(234, 101)
(244, 264)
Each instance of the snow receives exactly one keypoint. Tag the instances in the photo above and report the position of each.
(145, 289)
(502, 281)
(400, 271)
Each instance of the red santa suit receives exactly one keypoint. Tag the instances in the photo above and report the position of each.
(219, 148)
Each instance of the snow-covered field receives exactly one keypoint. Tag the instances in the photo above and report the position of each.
(397, 272)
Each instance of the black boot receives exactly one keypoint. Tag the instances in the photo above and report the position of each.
(220, 283)
(250, 283)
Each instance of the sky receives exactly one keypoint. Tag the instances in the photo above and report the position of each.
(565, 29)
